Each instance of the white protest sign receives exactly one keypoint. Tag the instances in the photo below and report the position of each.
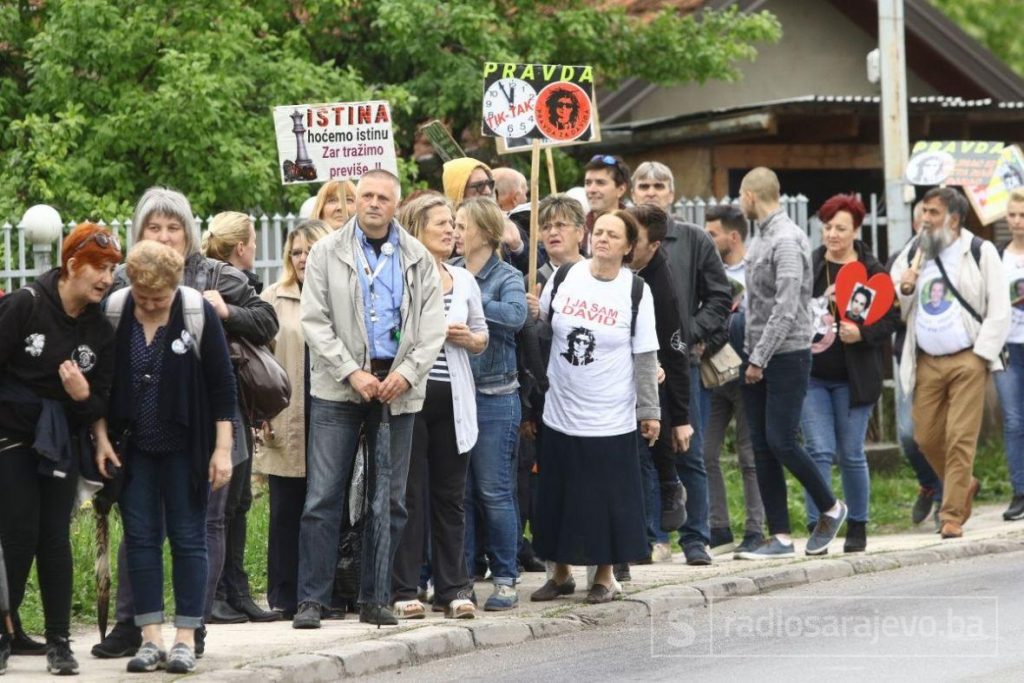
(338, 141)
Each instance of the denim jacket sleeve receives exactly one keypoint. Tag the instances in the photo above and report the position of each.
(508, 309)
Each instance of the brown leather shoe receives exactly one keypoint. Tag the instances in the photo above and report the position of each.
(972, 493)
(952, 530)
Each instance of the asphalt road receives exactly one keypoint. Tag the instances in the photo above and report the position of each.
(947, 622)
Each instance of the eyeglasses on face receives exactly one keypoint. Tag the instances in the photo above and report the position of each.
(557, 226)
(103, 241)
(479, 186)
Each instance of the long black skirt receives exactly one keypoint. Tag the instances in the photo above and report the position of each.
(589, 504)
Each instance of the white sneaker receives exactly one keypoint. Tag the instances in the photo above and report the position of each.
(662, 552)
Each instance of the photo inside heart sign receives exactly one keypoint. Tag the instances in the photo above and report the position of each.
(862, 299)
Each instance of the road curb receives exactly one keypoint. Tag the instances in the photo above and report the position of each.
(434, 642)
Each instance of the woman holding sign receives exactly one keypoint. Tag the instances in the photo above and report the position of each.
(846, 371)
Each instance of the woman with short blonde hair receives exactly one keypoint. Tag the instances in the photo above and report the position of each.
(151, 265)
(335, 203)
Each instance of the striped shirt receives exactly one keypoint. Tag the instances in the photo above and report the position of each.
(439, 372)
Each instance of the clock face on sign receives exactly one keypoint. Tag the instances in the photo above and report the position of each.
(508, 107)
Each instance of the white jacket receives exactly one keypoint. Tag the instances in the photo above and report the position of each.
(466, 308)
(983, 286)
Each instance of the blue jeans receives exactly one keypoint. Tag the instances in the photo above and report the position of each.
(690, 468)
(773, 414)
(491, 485)
(652, 493)
(832, 427)
(333, 438)
(1010, 385)
(926, 476)
(158, 489)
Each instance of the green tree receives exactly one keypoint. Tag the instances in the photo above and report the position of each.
(996, 24)
(102, 98)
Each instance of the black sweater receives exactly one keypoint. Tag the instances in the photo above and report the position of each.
(672, 349)
(36, 336)
(864, 358)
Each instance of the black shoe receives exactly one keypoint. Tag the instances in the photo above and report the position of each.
(247, 606)
(722, 540)
(532, 564)
(923, 505)
(223, 613)
(59, 659)
(856, 537)
(124, 640)
(5, 652)
(752, 540)
(200, 639)
(696, 554)
(21, 644)
(377, 614)
(1016, 509)
(673, 506)
(307, 616)
(621, 572)
(552, 590)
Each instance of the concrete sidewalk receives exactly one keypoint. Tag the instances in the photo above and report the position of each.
(276, 652)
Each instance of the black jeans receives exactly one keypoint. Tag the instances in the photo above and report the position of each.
(234, 582)
(287, 496)
(35, 523)
(434, 498)
(773, 414)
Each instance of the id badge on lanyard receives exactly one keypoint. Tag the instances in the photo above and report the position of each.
(387, 250)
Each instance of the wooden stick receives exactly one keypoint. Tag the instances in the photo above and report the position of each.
(551, 170)
(534, 210)
(915, 266)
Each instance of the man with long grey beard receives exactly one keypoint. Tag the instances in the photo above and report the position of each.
(955, 299)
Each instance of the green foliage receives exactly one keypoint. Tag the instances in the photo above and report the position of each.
(101, 98)
(993, 23)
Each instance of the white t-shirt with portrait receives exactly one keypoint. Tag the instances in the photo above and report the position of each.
(939, 324)
(1013, 266)
(590, 370)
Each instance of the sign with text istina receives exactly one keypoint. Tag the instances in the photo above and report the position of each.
(986, 170)
(339, 141)
(553, 103)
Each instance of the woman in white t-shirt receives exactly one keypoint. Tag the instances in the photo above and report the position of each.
(1010, 382)
(603, 378)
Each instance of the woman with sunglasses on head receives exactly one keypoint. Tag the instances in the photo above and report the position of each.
(56, 369)
(283, 454)
(165, 216)
(335, 203)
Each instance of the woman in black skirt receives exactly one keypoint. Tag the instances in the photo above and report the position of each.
(603, 379)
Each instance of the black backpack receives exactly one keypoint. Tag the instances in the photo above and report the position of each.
(636, 294)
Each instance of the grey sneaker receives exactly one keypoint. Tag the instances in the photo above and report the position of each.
(825, 532)
(503, 598)
(180, 659)
(772, 549)
(148, 658)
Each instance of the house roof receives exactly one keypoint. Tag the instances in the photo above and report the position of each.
(968, 69)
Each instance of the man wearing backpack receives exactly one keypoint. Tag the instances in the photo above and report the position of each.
(950, 349)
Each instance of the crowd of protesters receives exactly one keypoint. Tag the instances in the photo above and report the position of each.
(441, 407)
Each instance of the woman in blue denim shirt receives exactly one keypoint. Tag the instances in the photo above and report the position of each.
(491, 482)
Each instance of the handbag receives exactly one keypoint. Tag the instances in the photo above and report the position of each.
(721, 367)
(263, 384)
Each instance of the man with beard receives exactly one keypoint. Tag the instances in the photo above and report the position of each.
(950, 349)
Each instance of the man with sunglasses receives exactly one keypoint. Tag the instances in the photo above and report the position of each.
(606, 181)
(705, 300)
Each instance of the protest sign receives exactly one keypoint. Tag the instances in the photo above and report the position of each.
(986, 170)
(862, 299)
(337, 141)
(553, 103)
(442, 141)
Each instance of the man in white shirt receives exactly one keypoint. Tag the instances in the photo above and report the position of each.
(958, 316)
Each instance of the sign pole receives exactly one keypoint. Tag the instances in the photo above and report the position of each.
(551, 170)
(534, 210)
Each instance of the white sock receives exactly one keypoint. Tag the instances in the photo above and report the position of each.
(835, 511)
(784, 539)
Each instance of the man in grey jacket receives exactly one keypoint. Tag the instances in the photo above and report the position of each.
(705, 299)
(373, 318)
(778, 342)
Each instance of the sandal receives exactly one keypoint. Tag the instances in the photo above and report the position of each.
(410, 609)
(460, 608)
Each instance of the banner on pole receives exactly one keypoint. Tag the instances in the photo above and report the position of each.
(553, 103)
(337, 141)
(987, 171)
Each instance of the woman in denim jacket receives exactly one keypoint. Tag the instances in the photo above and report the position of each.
(491, 482)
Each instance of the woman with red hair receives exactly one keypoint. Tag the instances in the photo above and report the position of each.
(56, 369)
(846, 368)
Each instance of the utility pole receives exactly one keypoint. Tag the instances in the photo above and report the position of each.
(892, 54)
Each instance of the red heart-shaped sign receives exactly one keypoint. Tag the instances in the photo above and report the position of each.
(862, 299)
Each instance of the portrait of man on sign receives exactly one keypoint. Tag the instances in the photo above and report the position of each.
(563, 109)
